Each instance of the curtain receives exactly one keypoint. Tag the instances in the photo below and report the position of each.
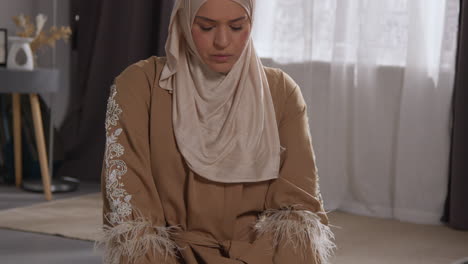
(109, 35)
(378, 80)
(456, 208)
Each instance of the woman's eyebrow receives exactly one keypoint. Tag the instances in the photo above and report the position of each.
(214, 21)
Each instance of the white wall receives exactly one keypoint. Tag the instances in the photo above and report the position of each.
(61, 59)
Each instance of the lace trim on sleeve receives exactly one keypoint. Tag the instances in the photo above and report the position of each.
(119, 199)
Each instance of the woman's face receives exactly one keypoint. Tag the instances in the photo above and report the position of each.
(220, 31)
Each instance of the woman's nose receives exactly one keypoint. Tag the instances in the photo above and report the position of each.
(222, 38)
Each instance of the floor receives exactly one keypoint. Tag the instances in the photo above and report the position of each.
(25, 248)
(22, 247)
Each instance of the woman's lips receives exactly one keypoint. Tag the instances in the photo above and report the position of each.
(221, 58)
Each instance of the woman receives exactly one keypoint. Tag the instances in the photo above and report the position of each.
(208, 155)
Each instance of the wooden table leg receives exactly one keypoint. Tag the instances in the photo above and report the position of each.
(41, 146)
(17, 138)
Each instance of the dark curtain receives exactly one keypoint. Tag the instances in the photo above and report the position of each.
(108, 36)
(456, 208)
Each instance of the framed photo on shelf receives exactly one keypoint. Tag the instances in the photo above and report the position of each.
(3, 46)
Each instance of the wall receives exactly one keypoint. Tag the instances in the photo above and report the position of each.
(8, 8)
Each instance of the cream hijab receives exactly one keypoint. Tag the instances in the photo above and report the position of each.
(224, 124)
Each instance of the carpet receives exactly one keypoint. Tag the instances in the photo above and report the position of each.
(78, 217)
(367, 240)
(360, 239)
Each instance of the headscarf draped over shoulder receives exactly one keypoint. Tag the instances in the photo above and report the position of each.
(224, 124)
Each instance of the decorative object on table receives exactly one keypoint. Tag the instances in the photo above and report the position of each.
(20, 56)
(3, 46)
(40, 38)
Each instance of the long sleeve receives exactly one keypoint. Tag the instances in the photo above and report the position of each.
(135, 229)
(294, 215)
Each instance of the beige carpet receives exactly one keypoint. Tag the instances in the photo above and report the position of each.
(360, 240)
(366, 240)
(78, 217)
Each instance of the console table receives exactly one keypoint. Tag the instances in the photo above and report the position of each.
(17, 82)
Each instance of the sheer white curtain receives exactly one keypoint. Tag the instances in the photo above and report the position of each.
(378, 79)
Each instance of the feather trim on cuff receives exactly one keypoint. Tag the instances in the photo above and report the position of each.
(133, 239)
(302, 229)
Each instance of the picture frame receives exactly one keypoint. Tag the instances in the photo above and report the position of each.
(3, 46)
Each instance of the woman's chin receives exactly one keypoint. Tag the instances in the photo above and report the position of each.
(223, 68)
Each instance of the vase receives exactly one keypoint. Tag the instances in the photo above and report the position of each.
(20, 56)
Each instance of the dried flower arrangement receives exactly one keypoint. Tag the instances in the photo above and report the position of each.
(34, 31)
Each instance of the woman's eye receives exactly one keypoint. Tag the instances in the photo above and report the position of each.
(236, 28)
(206, 28)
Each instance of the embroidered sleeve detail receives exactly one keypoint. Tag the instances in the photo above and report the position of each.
(299, 228)
(119, 199)
(133, 239)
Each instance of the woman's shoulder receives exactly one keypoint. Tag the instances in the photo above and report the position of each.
(144, 70)
(281, 84)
